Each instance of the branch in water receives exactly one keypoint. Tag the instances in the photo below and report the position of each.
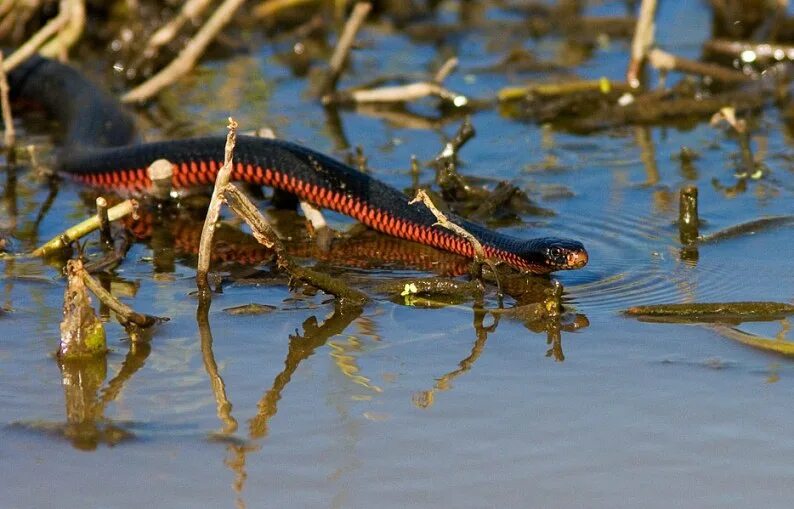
(265, 235)
(80, 230)
(223, 178)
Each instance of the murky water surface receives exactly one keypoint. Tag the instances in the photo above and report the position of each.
(401, 405)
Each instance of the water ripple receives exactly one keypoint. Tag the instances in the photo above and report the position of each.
(636, 260)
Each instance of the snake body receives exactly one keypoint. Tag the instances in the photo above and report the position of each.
(99, 147)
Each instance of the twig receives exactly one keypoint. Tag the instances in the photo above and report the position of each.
(669, 62)
(69, 33)
(432, 286)
(80, 230)
(224, 175)
(398, 93)
(749, 52)
(748, 228)
(339, 58)
(465, 133)
(313, 215)
(9, 135)
(43, 35)
(82, 333)
(104, 221)
(265, 235)
(223, 406)
(688, 221)
(642, 42)
(565, 88)
(271, 7)
(160, 173)
(188, 57)
(126, 314)
(479, 252)
(166, 33)
(445, 70)
(713, 311)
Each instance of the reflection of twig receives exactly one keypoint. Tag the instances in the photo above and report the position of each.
(347, 363)
(402, 118)
(343, 46)
(425, 399)
(222, 403)
(188, 57)
(133, 362)
(776, 345)
(213, 211)
(373, 94)
(300, 348)
(747, 228)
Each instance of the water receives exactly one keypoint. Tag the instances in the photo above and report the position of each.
(428, 407)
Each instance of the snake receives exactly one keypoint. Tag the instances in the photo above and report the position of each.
(98, 146)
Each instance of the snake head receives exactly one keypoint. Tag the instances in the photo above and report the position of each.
(548, 254)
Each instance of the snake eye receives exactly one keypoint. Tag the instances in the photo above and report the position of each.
(555, 252)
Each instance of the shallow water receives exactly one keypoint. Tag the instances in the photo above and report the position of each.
(429, 407)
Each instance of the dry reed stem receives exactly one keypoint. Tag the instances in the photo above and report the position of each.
(272, 7)
(125, 313)
(82, 333)
(104, 221)
(84, 228)
(398, 93)
(642, 42)
(161, 173)
(750, 51)
(339, 58)
(264, 234)
(314, 216)
(224, 175)
(69, 33)
(6, 6)
(9, 135)
(188, 57)
(445, 70)
(444, 222)
(39, 38)
(166, 33)
(668, 62)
